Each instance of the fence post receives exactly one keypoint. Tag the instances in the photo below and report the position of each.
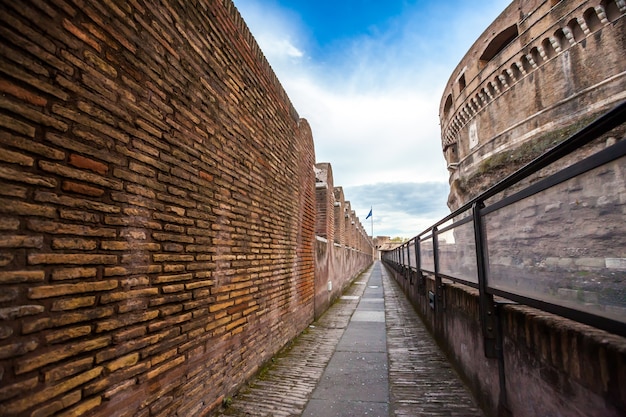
(438, 283)
(486, 305)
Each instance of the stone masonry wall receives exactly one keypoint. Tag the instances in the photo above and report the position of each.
(564, 65)
(156, 208)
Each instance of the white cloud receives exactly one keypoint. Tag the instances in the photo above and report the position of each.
(373, 101)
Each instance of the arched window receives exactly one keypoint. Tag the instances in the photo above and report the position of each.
(592, 19)
(486, 95)
(561, 39)
(577, 31)
(462, 83)
(536, 55)
(497, 84)
(612, 11)
(548, 48)
(498, 43)
(505, 78)
(526, 64)
(447, 106)
(516, 74)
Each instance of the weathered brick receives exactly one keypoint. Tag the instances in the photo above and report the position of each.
(59, 336)
(79, 188)
(17, 126)
(21, 241)
(36, 325)
(5, 331)
(64, 258)
(9, 223)
(73, 273)
(164, 368)
(73, 303)
(14, 277)
(12, 190)
(123, 362)
(80, 175)
(11, 313)
(46, 226)
(53, 407)
(8, 87)
(124, 295)
(84, 148)
(59, 353)
(25, 209)
(47, 291)
(172, 278)
(32, 114)
(68, 369)
(88, 163)
(26, 402)
(82, 408)
(18, 388)
(78, 215)
(74, 243)
(125, 320)
(17, 348)
(16, 158)
(31, 146)
(74, 30)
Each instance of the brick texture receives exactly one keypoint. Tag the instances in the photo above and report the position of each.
(157, 208)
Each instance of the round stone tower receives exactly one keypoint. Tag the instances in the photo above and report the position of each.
(538, 73)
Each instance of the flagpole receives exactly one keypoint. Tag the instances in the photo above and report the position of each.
(372, 225)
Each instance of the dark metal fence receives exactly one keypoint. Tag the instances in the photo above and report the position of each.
(552, 235)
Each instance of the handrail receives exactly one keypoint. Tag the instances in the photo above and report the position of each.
(481, 242)
(601, 125)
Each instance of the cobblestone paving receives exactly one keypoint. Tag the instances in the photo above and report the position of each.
(422, 382)
(284, 388)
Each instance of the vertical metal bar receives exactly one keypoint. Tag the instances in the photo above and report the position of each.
(418, 264)
(486, 304)
(408, 262)
(438, 283)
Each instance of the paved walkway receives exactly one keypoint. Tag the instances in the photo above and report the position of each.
(369, 355)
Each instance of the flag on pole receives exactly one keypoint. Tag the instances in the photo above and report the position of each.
(369, 215)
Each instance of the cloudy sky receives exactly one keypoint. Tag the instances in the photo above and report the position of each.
(368, 75)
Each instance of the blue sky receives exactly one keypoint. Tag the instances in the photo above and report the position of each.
(368, 75)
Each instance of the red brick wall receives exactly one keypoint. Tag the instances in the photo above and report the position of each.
(156, 208)
(338, 259)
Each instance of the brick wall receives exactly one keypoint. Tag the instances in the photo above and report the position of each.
(338, 259)
(156, 208)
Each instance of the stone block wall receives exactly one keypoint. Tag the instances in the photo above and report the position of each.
(157, 208)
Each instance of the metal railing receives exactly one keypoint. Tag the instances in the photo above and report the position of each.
(552, 236)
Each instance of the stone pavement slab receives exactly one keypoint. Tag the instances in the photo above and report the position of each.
(357, 376)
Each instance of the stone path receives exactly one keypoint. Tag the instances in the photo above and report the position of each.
(369, 355)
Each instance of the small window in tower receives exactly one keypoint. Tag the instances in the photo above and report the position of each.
(447, 106)
(462, 82)
(592, 20)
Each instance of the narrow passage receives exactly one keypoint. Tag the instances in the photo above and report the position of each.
(369, 355)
